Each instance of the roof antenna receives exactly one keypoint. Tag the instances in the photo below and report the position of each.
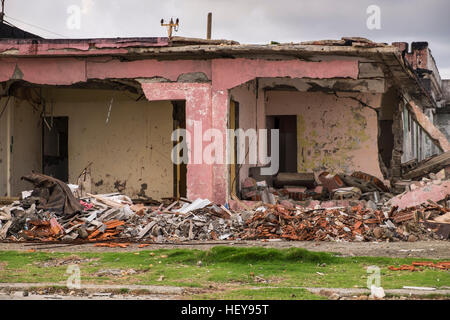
(170, 26)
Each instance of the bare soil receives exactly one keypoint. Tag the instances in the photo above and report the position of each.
(420, 249)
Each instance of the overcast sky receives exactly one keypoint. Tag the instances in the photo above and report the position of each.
(246, 21)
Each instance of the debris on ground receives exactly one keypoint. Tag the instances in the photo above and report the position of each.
(445, 265)
(324, 207)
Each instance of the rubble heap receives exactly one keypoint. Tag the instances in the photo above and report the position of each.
(54, 211)
(110, 216)
(341, 224)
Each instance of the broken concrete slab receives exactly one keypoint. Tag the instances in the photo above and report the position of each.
(421, 195)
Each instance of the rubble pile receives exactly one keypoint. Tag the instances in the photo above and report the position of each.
(341, 224)
(324, 187)
(111, 216)
(343, 208)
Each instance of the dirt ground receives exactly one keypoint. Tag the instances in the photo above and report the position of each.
(419, 249)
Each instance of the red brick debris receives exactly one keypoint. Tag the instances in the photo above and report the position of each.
(413, 267)
(347, 223)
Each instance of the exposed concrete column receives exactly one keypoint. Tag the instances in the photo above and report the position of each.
(220, 107)
(198, 119)
(260, 114)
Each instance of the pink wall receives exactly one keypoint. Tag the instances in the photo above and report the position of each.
(206, 102)
(198, 108)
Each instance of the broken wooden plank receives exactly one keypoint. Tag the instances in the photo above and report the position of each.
(431, 165)
(226, 210)
(167, 210)
(106, 201)
(305, 179)
(8, 200)
(146, 229)
(241, 203)
(4, 230)
(5, 214)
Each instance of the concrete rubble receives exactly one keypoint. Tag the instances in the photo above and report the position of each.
(329, 207)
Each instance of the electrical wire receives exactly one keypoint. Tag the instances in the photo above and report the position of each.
(4, 108)
(35, 26)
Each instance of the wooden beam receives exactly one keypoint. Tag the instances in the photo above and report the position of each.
(435, 134)
(432, 165)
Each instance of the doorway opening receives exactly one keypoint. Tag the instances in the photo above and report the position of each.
(287, 124)
(179, 170)
(234, 168)
(55, 147)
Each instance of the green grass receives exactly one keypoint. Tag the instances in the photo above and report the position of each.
(226, 268)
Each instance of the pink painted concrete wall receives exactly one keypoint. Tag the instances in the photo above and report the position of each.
(198, 108)
(77, 47)
(206, 102)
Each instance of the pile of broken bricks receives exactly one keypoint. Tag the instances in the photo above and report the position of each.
(53, 212)
(342, 223)
(444, 265)
(111, 217)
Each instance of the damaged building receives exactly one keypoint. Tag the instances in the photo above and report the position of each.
(110, 106)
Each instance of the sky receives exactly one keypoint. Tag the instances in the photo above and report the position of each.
(246, 21)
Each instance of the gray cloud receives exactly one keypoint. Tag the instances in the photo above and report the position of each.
(250, 21)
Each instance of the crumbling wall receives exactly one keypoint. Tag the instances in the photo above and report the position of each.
(130, 153)
(334, 133)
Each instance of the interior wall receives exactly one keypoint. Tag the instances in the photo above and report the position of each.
(27, 144)
(3, 146)
(131, 153)
(245, 94)
(333, 134)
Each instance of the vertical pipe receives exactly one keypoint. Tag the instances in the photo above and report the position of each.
(208, 30)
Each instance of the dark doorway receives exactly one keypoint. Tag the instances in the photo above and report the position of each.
(55, 145)
(234, 168)
(288, 140)
(386, 141)
(179, 170)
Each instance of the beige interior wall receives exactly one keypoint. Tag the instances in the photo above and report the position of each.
(27, 144)
(333, 134)
(133, 149)
(3, 147)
